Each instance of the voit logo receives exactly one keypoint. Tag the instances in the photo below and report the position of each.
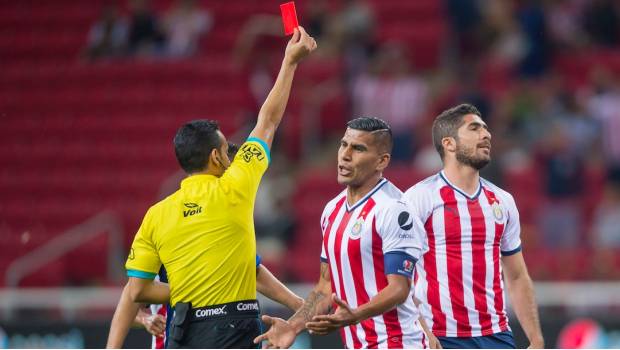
(192, 209)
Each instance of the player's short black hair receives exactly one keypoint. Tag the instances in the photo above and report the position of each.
(194, 142)
(448, 122)
(378, 127)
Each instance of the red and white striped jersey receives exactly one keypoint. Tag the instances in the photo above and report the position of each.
(159, 342)
(363, 243)
(459, 278)
(165, 311)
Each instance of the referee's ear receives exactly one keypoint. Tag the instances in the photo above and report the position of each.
(217, 163)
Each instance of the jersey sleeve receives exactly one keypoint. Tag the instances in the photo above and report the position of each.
(323, 228)
(246, 170)
(400, 233)
(420, 205)
(143, 260)
(258, 260)
(511, 239)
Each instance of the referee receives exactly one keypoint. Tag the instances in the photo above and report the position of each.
(204, 233)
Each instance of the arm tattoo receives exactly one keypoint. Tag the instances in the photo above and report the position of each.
(325, 274)
(309, 309)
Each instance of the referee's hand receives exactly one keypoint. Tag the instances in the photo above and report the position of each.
(281, 335)
(300, 46)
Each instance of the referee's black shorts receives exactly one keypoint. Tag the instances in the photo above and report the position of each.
(231, 325)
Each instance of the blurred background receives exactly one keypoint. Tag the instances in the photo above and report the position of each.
(92, 92)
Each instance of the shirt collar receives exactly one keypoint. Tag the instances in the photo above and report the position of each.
(192, 179)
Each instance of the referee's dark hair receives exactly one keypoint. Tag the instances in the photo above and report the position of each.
(233, 148)
(448, 123)
(194, 143)
(379, 128)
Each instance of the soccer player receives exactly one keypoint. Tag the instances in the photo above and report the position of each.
(370, 246)
(471, 225)
(204, 233)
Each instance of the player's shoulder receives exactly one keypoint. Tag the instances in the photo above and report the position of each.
(331, 205)
(385, 195)
(387, 191)
(423, 187)
(497, 191)
(389, 198)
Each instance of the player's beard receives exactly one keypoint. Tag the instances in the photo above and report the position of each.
(467, 156)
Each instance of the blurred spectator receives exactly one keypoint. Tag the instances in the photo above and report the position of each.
(390, 91)
(564, 23)
(605, 235)
(145, 34)
(581, 130)
(274, 217)
(504, 42)
(465, 19)
(354, 29)
(317, 18)
(108, 36)
(600, 21)
(184, 24)
(604, 105)
(606, 226)
(563, 173)
(533, 21)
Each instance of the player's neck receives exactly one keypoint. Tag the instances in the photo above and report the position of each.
(462, 176)
(355, 193)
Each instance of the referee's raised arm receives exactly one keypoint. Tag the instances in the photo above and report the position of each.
(270, 115)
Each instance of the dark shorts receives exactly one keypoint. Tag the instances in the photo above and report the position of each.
(214, 327)
(502, 340)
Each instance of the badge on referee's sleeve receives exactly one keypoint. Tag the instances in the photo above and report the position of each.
(250, 151)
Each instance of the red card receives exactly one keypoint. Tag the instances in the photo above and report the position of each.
(289, 17)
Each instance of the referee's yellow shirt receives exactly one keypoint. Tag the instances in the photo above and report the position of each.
(204, 234)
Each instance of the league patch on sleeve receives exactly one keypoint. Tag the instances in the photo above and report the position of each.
(250, 151)
(408, 266)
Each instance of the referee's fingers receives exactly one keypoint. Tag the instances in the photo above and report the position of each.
(267, 319)
(260, 338)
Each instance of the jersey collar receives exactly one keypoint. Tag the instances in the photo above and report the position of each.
(474, 197)
(382, 182)
(196, 178)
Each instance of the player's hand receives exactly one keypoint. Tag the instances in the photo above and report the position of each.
(324, 324)
(155, 324)
(300, 46)
(433, 342)
(280, 335)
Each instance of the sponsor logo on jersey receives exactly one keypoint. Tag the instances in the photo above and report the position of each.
(405, 221)
(192, 209)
